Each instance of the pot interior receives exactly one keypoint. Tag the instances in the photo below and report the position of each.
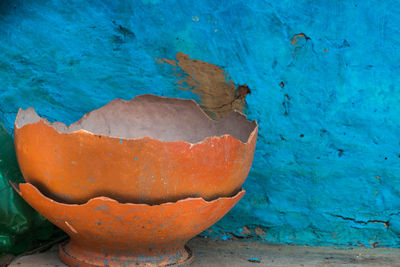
(165, 119)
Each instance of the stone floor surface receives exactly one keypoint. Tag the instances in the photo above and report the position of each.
(253, 254)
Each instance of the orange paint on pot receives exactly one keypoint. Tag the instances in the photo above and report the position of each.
(148, 150)
(105, 232)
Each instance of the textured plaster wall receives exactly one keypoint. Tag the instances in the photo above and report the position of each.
(324, 79)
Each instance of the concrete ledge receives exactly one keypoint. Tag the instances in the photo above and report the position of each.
(243, 254)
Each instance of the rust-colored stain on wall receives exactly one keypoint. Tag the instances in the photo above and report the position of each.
(216, 90)
(296, 38)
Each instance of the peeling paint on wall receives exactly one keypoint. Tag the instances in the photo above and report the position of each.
(216, 90)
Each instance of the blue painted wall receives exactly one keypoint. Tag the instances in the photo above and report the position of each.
(325, 90)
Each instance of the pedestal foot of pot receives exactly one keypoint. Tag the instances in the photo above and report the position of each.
(93, 259)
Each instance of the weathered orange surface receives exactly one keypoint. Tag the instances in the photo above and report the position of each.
(105, 232)
(75, 167)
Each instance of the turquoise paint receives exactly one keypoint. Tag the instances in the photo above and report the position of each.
(326, 168)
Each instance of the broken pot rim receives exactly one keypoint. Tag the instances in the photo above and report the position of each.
(45, 121)
(92, 201)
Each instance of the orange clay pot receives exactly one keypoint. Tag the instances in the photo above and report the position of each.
(147, 150)
(105, 232)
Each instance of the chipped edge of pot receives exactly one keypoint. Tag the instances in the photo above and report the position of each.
(250, 138)
(17, 188)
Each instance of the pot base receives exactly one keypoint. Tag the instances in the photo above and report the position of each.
(99, 261)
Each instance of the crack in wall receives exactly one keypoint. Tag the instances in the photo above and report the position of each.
(385, 223)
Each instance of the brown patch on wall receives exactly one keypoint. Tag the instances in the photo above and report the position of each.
(296, 37)
(217, 92)
(260, 232)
